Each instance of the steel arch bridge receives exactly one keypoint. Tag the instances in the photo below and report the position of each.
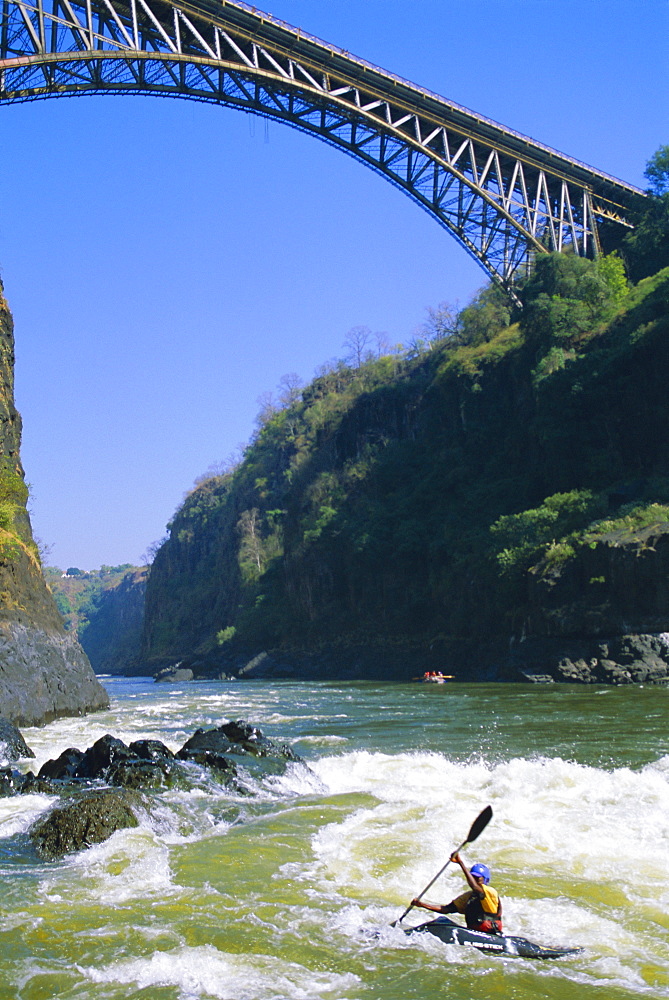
(503, 196)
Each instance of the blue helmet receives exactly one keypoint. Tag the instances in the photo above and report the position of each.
(481, 871)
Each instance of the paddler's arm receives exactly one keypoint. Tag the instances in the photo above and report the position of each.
(471, 881)
(446, 908)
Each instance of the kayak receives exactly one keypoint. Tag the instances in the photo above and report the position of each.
(498, 944)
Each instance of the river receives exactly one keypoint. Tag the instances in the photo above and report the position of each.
(289, 894)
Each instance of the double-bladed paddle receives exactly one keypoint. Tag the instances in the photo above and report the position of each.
(476, 829)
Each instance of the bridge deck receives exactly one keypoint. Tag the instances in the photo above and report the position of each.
(504, 196)
(318, 53)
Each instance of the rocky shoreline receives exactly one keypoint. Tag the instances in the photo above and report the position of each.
(109, 786)
(620, 659)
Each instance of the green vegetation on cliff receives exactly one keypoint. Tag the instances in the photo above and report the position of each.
(406, 498)
(44, 673)
(78, 593)
(646, 248)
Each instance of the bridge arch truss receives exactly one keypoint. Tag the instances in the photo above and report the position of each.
(503, 196)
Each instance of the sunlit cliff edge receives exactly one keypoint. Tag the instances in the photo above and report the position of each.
(44, 673)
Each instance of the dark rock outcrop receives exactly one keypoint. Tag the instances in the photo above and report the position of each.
(90, 818)
(143, 764)
(626, 659)
(11, 782)
(140, 774)
(102, 756)
(174, 675)
(152, 750)
(63, 767)
(44, 673)
(242, 742)
(12, 744)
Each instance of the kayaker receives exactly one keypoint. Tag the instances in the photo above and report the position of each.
(480, 904)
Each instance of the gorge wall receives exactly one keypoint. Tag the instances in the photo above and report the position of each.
(496, 507)
(112, 635)
(44, 673)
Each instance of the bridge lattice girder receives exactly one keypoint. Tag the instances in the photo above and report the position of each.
(502, 195)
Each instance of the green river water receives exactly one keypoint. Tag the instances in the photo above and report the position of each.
(289, 893)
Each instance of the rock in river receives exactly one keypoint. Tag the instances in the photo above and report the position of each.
(174, 675)
(143, 764)
(12, 744)
(90, 815)
(88, 819)
(214, 747)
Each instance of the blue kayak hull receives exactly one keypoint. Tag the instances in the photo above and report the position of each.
(496, 944)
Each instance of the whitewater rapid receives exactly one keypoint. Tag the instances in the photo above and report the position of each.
(289, 894)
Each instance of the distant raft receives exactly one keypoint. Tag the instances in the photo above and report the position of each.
(495, 944)
(434, 677)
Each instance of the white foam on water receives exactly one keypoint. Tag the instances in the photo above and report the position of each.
(402, 777)
(185, 817)
(368, 928)
(18, 813)
(297, 779)
(323, 740)
(132, 864)
(205, 971)
(549, 814)
(590, 845)
(660, 766)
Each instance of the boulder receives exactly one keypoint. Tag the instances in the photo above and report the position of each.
(153, 765)
(174, 675)
(135, 773)
(622, 659)
(209, 758)
(90, 818)
(99, 758)
(44, 673)
(143, 764)
(151, 750)
(62, 767)
(241, 741)
(12, 744)
(238, 738)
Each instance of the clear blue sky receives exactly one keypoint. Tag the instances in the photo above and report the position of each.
(167, 262)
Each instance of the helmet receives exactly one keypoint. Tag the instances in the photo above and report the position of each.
(481, 871)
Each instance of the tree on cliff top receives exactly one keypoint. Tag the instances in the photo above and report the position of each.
(646, 249)
(657, 172)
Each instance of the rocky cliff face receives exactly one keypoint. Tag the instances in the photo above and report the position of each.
(603, 614)
(362, 535)
(112, 637)
(44, 673)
